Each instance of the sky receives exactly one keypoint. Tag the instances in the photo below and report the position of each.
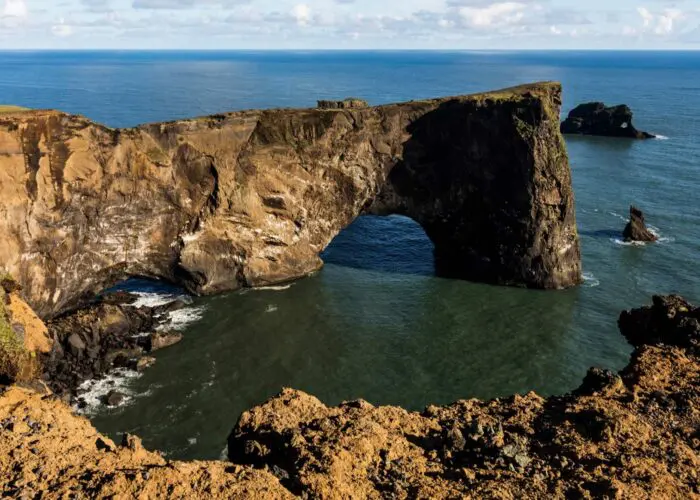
(349, 24)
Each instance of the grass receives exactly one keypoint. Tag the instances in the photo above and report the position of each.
(11, 109)
(16, 363)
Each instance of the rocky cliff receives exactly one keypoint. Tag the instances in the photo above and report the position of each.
(632, 435)
(251, 198)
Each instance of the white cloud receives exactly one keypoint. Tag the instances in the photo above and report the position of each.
(497, 14)
(663, 23)
(62, 29)
(302, 14)
(14, 8)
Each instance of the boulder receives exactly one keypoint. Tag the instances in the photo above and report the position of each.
(113, 398)
(636, 229)
(594, 118)
(160, 340)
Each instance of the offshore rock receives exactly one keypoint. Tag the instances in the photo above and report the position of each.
(594, 118)
(636, 229)
(252, 198)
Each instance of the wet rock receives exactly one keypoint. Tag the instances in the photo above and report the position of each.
(159, 340)
(144, 363)
(594, 118)
(636, 229)
(113, 398)
(119, 298)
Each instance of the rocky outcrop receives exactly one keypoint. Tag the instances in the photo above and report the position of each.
(349, 103)
(48, 452)
(594, 118)
(251, 198)
(108, 334)
(633, 435)
(630, 435)
(23, 336)
(636, 229)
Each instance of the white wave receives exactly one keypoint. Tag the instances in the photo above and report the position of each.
(272, 288)
(192, 441)
(661, 137)
(621, 217)
(589, 280)
(271, 308)
(93, 391)
(621, 242)
(182, 318)
(152, 299)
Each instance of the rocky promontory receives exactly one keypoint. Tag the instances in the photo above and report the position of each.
(633, 434)
(252, 198)
(595, 118)
(636, 229)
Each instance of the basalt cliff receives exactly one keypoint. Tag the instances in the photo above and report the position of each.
(252, 198)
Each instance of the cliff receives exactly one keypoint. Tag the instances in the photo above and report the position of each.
(631, 435)
(251, 198)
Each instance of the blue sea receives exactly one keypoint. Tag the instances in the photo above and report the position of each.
(376, 323)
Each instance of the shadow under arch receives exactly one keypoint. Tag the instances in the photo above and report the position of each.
(389, 244)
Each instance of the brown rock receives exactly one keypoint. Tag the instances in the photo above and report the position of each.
(636, 229)
(252, 198)
(161, 340)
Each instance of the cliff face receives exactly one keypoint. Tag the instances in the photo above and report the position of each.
(251, 198)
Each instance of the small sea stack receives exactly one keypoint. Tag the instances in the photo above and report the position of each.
(595, 118)
(636, 229)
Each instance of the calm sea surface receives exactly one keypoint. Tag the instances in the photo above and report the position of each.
(375, 323)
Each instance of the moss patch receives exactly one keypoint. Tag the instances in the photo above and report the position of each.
(16, 363)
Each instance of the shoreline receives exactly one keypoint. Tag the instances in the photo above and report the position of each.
(632, 434)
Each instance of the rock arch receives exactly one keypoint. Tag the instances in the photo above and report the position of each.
(252, 198)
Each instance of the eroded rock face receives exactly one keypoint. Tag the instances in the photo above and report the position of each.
(636, 229)
(251, 198)
(595, 118)
(629, 435)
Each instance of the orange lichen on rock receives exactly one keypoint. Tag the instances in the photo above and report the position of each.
(47, 450)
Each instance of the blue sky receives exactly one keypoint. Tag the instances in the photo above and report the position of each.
(350, 24)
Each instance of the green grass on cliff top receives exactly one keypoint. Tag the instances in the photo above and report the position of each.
(11, 109)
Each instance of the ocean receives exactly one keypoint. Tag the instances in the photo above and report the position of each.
(376, 323)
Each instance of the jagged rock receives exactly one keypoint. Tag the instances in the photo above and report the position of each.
(113, 398)
(252, 198)
(636, 229)
(628, 435)
(160, 340)
(594, 118)
(119, 298)
(348, 103)
(76, 345)
(144, 363)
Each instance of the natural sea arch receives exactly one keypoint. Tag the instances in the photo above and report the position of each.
(252, 198)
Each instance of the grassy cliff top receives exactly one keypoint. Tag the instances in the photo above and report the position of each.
(6, 108)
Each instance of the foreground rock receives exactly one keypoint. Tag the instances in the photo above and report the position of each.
(252, 198)
(636, 229)
(633, 435)
(594, 118)
(48, 452)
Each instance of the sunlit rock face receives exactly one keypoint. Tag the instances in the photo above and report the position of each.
(252, 198)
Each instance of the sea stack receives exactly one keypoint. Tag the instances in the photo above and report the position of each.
(594, 118)
(636, 229)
